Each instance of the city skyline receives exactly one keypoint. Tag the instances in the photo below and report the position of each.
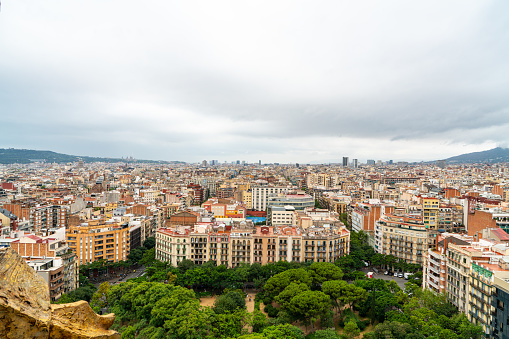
(287, 82)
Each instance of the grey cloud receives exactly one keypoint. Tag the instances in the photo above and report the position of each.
(166, 80)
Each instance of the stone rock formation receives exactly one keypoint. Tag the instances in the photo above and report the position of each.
(26, 312)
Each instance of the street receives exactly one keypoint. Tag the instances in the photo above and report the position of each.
(134, 273)
(380, 275)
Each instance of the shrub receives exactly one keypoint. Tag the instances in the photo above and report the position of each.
(271, 311)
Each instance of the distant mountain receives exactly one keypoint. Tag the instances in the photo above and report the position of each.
(490, 156)
(26, 156)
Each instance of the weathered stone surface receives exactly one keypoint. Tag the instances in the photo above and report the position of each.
(26, 312)
(78, 320)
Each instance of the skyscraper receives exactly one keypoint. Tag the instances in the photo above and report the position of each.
(345, 161)
(355, 163)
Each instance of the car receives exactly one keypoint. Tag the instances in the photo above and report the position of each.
(400, 275)
(395, 274)
(386, 272)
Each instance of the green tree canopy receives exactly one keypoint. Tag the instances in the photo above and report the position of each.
(279, 282)
(289, 292)
(324, 271)
(229, 302)
(309, 305)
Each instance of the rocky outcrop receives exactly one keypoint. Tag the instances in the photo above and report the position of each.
(26, 312)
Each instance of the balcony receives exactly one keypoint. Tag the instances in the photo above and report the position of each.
(434, 270)
(432, 284)
(434, 262)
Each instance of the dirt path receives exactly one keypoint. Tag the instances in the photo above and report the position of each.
(250, 304)
(209, 302)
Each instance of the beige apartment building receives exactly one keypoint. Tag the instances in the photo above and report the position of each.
(405, 237)
(459, 263)
(261, 244)
(172, 246)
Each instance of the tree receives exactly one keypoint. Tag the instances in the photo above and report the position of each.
(99, 298)
(287, 331)
(309, 305)
(185, 265)
(136, 254)
(325, 334)
(227, 325)
(258, 321)
(289, 292)
(392, 329)
(149, 243)
(252, 336)
(324, 271)
(280, 281)
(342, 293)
(229, 302)
(351, 330)
(82, 293)
(148, 257)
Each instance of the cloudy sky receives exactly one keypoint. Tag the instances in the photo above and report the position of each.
(280, 81)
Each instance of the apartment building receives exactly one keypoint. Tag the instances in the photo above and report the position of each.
(241, 250)
(150, 196)
(281, 215)
(265, 241)
(52, 259)
(232, 246)
(172, 246)
(435, 263)
(459, 263)
(42, 218)
(99, 239)
(430, 209)
(198, 242)
(365, 215)
(482, 288)
(52, 271)
(338, 202)
(247, 199)
(323, 245)
(404, 236)
(475, 276)
(219, 246)
(225, 209)
(450, 217)
(499, 305)
(260, 195)
(169, 209)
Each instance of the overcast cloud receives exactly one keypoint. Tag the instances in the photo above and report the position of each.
(280, 81)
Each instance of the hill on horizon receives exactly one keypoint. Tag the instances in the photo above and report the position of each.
(495, 155)
(27, 156)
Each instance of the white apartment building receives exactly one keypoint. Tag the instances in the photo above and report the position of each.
(261, 194)
(282, 216)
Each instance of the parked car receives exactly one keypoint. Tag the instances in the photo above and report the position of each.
(395, 274)
(386, 272)
(400, 275)
(407, 275)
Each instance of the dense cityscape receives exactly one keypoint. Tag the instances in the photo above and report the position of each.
(89, 228)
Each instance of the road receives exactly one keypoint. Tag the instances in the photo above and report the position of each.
(400, 281)
(135, 273)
